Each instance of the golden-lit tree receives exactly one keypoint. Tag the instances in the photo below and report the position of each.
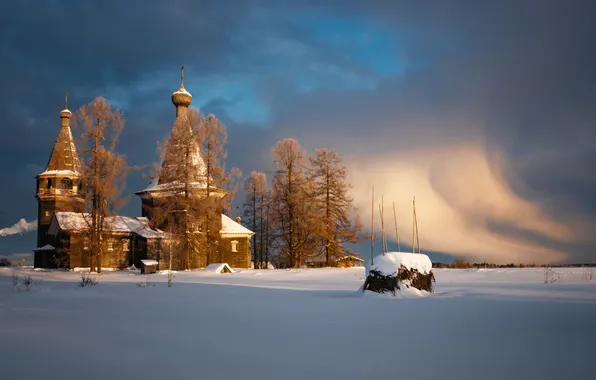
(218, 181)
(104, 170)
(194, 189)
(293, 215)
(330, 193)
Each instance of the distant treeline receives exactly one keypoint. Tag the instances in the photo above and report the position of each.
(462, 264)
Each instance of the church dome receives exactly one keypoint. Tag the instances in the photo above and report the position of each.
(181, 97)
(65, 113)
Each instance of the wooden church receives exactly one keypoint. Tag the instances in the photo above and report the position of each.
(63, 224)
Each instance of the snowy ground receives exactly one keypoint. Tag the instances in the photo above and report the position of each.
(299, 324)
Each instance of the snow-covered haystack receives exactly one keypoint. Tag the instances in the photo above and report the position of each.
(395, 270)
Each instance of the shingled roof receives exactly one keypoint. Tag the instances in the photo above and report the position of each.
(64, 158)
(76, 221)
(174, 171)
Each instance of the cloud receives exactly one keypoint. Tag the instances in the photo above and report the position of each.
(470, 101)
(461, 199)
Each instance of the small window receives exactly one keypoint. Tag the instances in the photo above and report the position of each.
(234, 246)
(110, 245)
(125, 245)
(86, 243)
(66, 183)
(47, 213)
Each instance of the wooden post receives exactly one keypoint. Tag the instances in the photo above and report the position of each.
(415, 237)
(382, 230)
(413, 224)
(372, 229)
(383, 221)
(395, 223)
(416, 226)
(384, 241)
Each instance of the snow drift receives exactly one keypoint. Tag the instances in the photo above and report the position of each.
(395, 270)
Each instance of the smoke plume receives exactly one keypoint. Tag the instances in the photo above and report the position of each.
(19, 227)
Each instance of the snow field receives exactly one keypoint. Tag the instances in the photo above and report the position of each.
(297, 324)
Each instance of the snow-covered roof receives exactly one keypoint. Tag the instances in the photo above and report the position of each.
(47, 247)
(154, 185)
(149, 262)
(230, 227)
(351, 257)
(73, 221)
(174, 166)
(61, 172)
(321, 258)
(182, 90)
(218, 268)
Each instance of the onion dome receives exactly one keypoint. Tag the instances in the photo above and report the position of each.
(181, 97)
(65, 113)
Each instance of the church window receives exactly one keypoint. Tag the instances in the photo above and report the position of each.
(66, 183)
(234, 246)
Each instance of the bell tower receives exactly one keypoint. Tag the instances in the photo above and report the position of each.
(59, 187)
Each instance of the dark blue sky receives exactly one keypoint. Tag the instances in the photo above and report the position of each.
(482, 110)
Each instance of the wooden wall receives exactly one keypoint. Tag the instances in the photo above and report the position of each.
(239, 259)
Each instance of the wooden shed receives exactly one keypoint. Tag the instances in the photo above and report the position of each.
(149, 266)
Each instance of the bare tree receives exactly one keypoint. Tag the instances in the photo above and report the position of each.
(292, 214)
(588, 274)
(333, 201)
(218, 181)
(255, 186)
(181, 178)
(104, 170)
(550, 276)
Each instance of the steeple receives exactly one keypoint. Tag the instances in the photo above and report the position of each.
(174, 169)
(182, 136)
(59, 187)
(64, 157)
